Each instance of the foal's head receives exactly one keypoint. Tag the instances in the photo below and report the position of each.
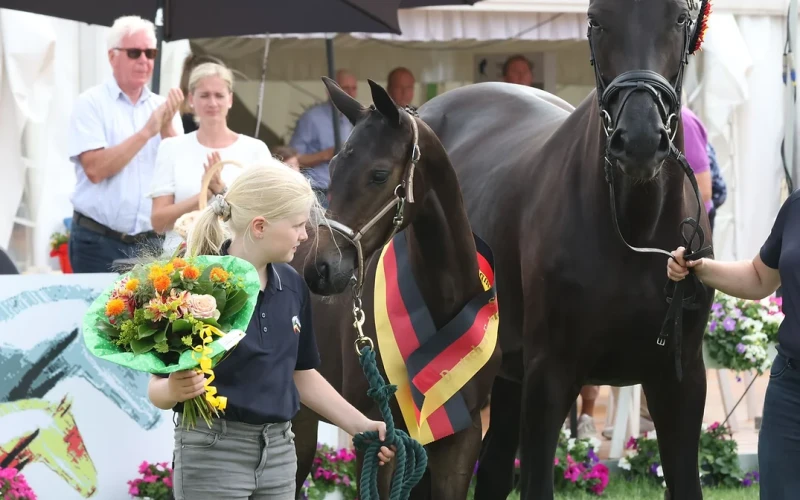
(370, 190)
(639, 51)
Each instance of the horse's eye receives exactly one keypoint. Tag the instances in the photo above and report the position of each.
(379, 176)
(593, 23)
(683, 19)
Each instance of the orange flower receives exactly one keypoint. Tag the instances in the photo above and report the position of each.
(132, 285)
(161, 283)
(178, 263)
(114, 307)
(191, 273)
(155, 272)
(219, 275)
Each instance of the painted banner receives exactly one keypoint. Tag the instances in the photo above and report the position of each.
(77, 426)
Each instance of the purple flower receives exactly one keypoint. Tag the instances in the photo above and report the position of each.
(654, 469)
(729, 324)
(736, 313)
(741, 348)
(592, 456)
(746, 482)
(716, 306)
(712, 326)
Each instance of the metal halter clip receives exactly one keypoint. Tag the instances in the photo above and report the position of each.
(362, 340)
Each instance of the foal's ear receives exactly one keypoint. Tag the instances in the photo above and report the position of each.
(349, 107)
(384, 103)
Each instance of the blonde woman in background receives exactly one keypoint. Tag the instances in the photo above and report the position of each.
(249, 452)
(182, 162)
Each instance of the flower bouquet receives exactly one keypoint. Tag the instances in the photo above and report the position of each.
(166, 316)
(13, 485)
(155, 483)
(740, 332)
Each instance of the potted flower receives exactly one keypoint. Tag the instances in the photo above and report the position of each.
(718, 459)
(333, 475)
(13, 485)
(155, 482)
(59, 247)
(741, 334)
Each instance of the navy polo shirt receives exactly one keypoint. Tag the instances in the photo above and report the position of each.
(781, 251)
(257, 375)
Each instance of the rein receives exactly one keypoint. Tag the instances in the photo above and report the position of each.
(660, 89)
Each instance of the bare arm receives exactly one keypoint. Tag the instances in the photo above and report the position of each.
(320, 396)
(166, 211)
(314, 159)
(751, 280)
(100, 164)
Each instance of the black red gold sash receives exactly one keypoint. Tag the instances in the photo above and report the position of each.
(430, 367)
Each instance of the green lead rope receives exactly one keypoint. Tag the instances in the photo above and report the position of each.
(410, 457)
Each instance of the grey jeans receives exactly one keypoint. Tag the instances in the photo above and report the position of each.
(235, 461)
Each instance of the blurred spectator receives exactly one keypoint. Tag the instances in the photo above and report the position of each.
(518, 69)
(400, 86)
(287, 155)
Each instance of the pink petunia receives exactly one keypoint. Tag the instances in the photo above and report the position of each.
(143, 467)
(168, 482)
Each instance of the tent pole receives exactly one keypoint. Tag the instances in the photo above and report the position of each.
(263, 84)
(159, 22)
(337, 140)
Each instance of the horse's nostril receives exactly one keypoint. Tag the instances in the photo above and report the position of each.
(322, 269)
(663, 146)
(616, 143)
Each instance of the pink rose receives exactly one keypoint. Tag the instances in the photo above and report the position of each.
(203, 306)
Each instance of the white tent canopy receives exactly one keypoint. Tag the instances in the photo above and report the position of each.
(735, 85)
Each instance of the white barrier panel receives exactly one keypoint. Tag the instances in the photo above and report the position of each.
(77, 426)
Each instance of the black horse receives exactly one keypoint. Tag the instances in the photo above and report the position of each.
(393, 177)
(559, 197)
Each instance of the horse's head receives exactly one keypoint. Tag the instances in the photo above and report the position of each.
(639, 51)
(60, 446)
(371, 190)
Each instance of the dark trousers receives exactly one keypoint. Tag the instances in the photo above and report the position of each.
(779, 437)
(91, 252)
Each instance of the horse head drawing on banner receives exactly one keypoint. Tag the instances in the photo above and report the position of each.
(36, 430)
(32, 372)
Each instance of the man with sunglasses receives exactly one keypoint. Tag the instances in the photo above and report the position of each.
(114, 134)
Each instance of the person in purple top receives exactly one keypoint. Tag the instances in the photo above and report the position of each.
(695, 141)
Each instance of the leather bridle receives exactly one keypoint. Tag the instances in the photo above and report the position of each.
(403, 192)
(666, 96)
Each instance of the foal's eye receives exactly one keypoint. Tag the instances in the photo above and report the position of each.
(379, 176)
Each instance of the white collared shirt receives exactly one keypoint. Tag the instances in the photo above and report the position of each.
(104, 117)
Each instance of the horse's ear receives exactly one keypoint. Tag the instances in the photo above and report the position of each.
(384, 103)
(349, 107)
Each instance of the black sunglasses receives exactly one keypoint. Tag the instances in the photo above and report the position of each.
(137, 53)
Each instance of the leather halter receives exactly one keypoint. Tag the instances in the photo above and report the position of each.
(667, 98)
(402, 192)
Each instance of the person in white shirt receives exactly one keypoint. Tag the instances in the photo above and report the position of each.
(182, 161)
(114, 133)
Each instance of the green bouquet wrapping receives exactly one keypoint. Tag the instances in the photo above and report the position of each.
(172, 315)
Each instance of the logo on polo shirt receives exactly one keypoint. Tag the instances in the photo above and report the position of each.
(295, 324)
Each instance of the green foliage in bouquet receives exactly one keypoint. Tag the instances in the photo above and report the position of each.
(167, 316)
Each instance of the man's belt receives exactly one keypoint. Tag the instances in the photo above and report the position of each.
(96, 227)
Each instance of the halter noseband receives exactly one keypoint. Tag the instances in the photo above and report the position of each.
(402, 192)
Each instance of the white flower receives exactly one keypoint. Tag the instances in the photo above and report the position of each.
(704, 427)
(650, 435)
(660, 472)
(566, 432)
(624, 464)
(664, 484)
(570, 444)
(594, 443)
(701, 473)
